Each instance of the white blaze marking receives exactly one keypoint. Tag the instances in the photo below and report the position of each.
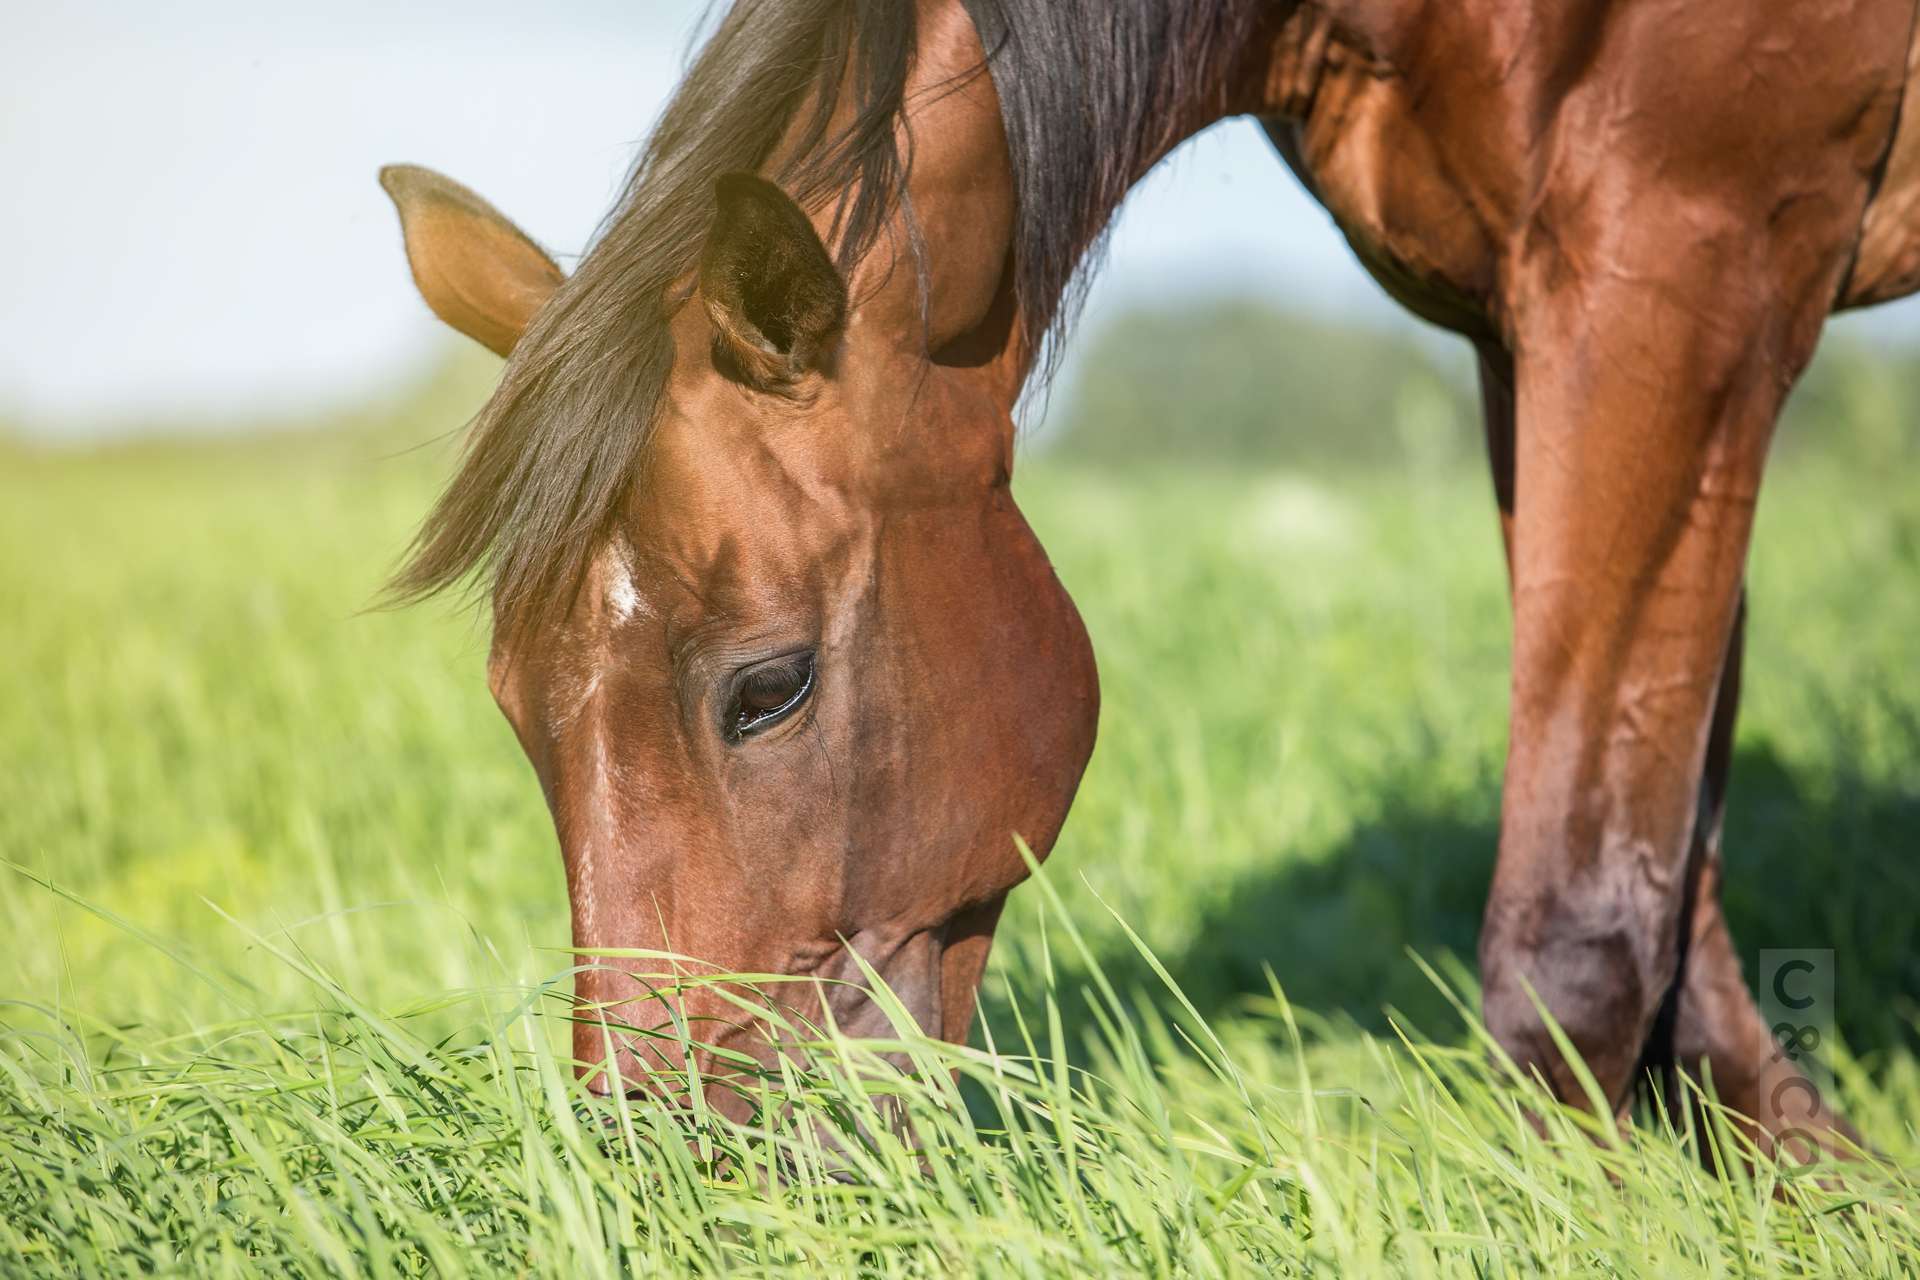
(622, 598)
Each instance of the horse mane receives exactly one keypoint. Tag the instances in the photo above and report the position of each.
(1090, 91)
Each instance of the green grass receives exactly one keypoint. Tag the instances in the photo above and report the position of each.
(284, 936)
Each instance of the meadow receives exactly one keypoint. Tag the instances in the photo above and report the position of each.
(283, 930)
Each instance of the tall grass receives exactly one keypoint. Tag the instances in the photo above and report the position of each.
(448, 1138)
(284, 931)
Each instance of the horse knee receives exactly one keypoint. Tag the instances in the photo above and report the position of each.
(1598, 966)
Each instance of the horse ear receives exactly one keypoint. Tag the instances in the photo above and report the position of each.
(479, 272)
(773, 293)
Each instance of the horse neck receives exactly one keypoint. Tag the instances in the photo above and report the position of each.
(936, 275)
(942, 271)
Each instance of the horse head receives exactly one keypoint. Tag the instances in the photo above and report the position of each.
(814, 673)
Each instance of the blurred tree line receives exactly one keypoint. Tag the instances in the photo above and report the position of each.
(1232, 381)
(1240, 381)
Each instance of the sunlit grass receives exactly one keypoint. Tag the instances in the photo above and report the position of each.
(330, 1137)
(284, 929)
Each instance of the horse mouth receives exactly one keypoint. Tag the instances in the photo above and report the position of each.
(698, 1023)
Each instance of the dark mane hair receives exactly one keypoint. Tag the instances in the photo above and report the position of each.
(1091, 93)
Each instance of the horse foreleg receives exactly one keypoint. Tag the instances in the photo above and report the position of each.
(1713, 1029)
(1645, 396)
(1709, 1026)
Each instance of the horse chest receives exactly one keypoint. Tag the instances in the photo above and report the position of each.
(1367, 146)
(1436, 133)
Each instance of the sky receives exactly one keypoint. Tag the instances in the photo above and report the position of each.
(195, 238)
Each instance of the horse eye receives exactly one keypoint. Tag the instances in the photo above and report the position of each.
(765, 695)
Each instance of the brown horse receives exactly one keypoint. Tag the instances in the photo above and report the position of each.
(793, 670)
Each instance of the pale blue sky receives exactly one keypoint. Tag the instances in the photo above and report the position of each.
(194, 235)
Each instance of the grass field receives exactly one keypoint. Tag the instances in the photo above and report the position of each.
(285, 923)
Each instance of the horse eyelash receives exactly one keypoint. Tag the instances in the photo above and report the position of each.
(799, 665)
